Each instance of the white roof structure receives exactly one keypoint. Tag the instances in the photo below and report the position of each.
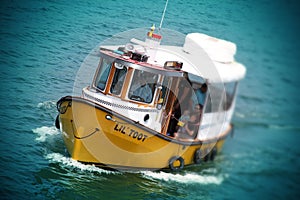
(221, 52)
(201, 55)
(208, 57)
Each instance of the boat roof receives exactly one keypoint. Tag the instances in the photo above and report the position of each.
(199, 63)
(201, 55)
(108, 53)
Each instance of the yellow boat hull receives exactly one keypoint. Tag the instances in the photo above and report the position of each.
(95, 134)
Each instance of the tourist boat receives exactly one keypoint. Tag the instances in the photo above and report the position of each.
(130, 116)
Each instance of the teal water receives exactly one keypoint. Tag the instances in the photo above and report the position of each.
(43, 44)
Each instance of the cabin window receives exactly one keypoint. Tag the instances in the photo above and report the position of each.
(118, 80)
(230, 89)
(103, 73)
(227, 97)
(216, 92)
(142, 86)
(208, 105)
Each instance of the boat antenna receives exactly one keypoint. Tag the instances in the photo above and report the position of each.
(163, 15)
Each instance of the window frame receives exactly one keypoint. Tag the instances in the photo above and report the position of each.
(114, 78)
(134, 79)
(97, 77)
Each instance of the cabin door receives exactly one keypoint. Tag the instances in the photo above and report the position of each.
(168, 109)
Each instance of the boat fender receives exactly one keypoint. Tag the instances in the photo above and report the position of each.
(207, 156)
(57, 125)
(173, 160)
(197, 156)
(213, 153)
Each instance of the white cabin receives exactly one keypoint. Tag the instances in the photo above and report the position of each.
(201, 60)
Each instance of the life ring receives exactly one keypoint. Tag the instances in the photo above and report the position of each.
(57, 125)
(173, 160)
(197, 156)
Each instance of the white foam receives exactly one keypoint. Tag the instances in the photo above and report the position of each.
(47, 105)
(210, 171)
(240, 115)
(282, 127)
(69, 162)
(44, 132)
(186, 178)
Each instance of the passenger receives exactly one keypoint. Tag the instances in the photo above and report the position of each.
(190, 129)
(143, 92)
(201, 94)
(183, 120)
(198, 108)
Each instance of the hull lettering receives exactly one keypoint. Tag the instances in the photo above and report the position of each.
(130, 132)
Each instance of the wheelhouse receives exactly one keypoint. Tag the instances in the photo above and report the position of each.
(140, 83)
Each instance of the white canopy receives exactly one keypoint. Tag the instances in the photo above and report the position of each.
(201, 55)
(221, 52)
(205, 56)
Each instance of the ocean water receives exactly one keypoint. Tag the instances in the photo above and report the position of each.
(43, 44)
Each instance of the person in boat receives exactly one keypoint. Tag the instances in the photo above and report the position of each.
(185, 117)
(201, 95)
(190, 129)
(141, 90)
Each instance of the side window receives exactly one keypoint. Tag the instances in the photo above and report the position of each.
(230, 89)
(225, 100)
(208, 106)
(102, 75)
(118, 80)
(142, 86)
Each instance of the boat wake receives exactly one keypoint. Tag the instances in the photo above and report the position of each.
(47, 105)
(70, 163)
(49, 136)
(48, 108)
(189, 178)
(45, 132)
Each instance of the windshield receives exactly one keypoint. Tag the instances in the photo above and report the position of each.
(142, 86)
(102, 75)
(118, 80)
